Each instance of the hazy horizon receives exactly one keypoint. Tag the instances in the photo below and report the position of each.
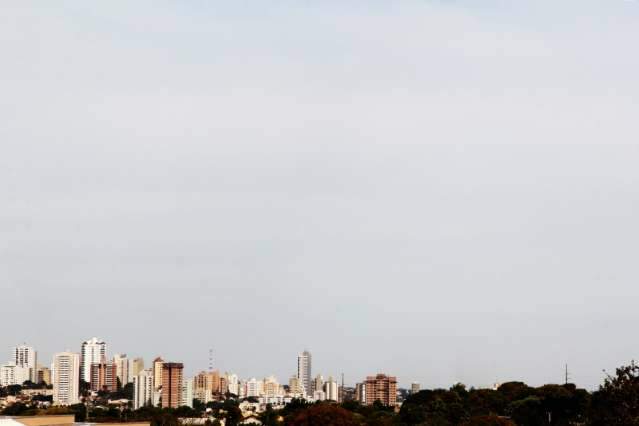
(444, 191)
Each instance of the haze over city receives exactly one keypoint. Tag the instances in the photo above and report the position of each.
(443, 191)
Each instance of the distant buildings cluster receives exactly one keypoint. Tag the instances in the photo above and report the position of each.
(163, 383)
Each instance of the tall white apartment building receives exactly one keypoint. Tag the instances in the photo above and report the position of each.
(187, 392)
(121, 368)
(253, 387)
(26, 357)
(66, 380)
(304, 372)
(143, 389)
(233, 383)
(331, 389)
(93, 352)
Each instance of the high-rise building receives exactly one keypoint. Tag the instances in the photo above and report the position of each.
(206, 385)
(271, 387)
(330, 389)
(172, 384)
(414, 388)
(44, 375)
(26, 357)
(360, 393)
(122, 368)
(104, 377)
(66, 380)
(187, 393)
(295, 387)
(93, 351)
(224, 385)
(252, 387)
(381, 388)
(233, 383)
(158, 364)
(304, 372)
(318, 383)
(137, 365)
(143, 389)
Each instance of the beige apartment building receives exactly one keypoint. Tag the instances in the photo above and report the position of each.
(381, 388)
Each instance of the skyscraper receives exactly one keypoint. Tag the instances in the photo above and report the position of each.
(304, 372)
(381, 388)
(26, 357)
(172, 384)
(122, 368)
(143, 389)
(66, 380)
(93, 351)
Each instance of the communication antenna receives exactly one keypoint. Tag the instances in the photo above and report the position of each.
(567, 376)
(210, 360)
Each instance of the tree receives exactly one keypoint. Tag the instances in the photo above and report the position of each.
(270, 417)
(322, 415)
(232, 413)
(616, 403)
(528, 412)
(488, 421)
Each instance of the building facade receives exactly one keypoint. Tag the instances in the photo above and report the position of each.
(11, 374)
(143, 389)
(187, 393)
(136, 366)
(172, 377)
(26, 357)
(304, 372)
(360, 393)
(44, 375)
(381, 388)
(331, 389)
(104, 377)
(157, 373)
(93, 351)
(122, 368)
(206, 385)
(66, 378)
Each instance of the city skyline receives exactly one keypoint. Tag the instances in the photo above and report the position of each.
(442, 191)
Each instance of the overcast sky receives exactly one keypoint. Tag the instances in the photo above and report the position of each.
(440, 190)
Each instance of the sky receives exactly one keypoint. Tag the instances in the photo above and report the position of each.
(445, 191)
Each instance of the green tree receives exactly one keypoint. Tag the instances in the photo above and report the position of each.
(529, 412)
(322, 415)
(616, 403)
